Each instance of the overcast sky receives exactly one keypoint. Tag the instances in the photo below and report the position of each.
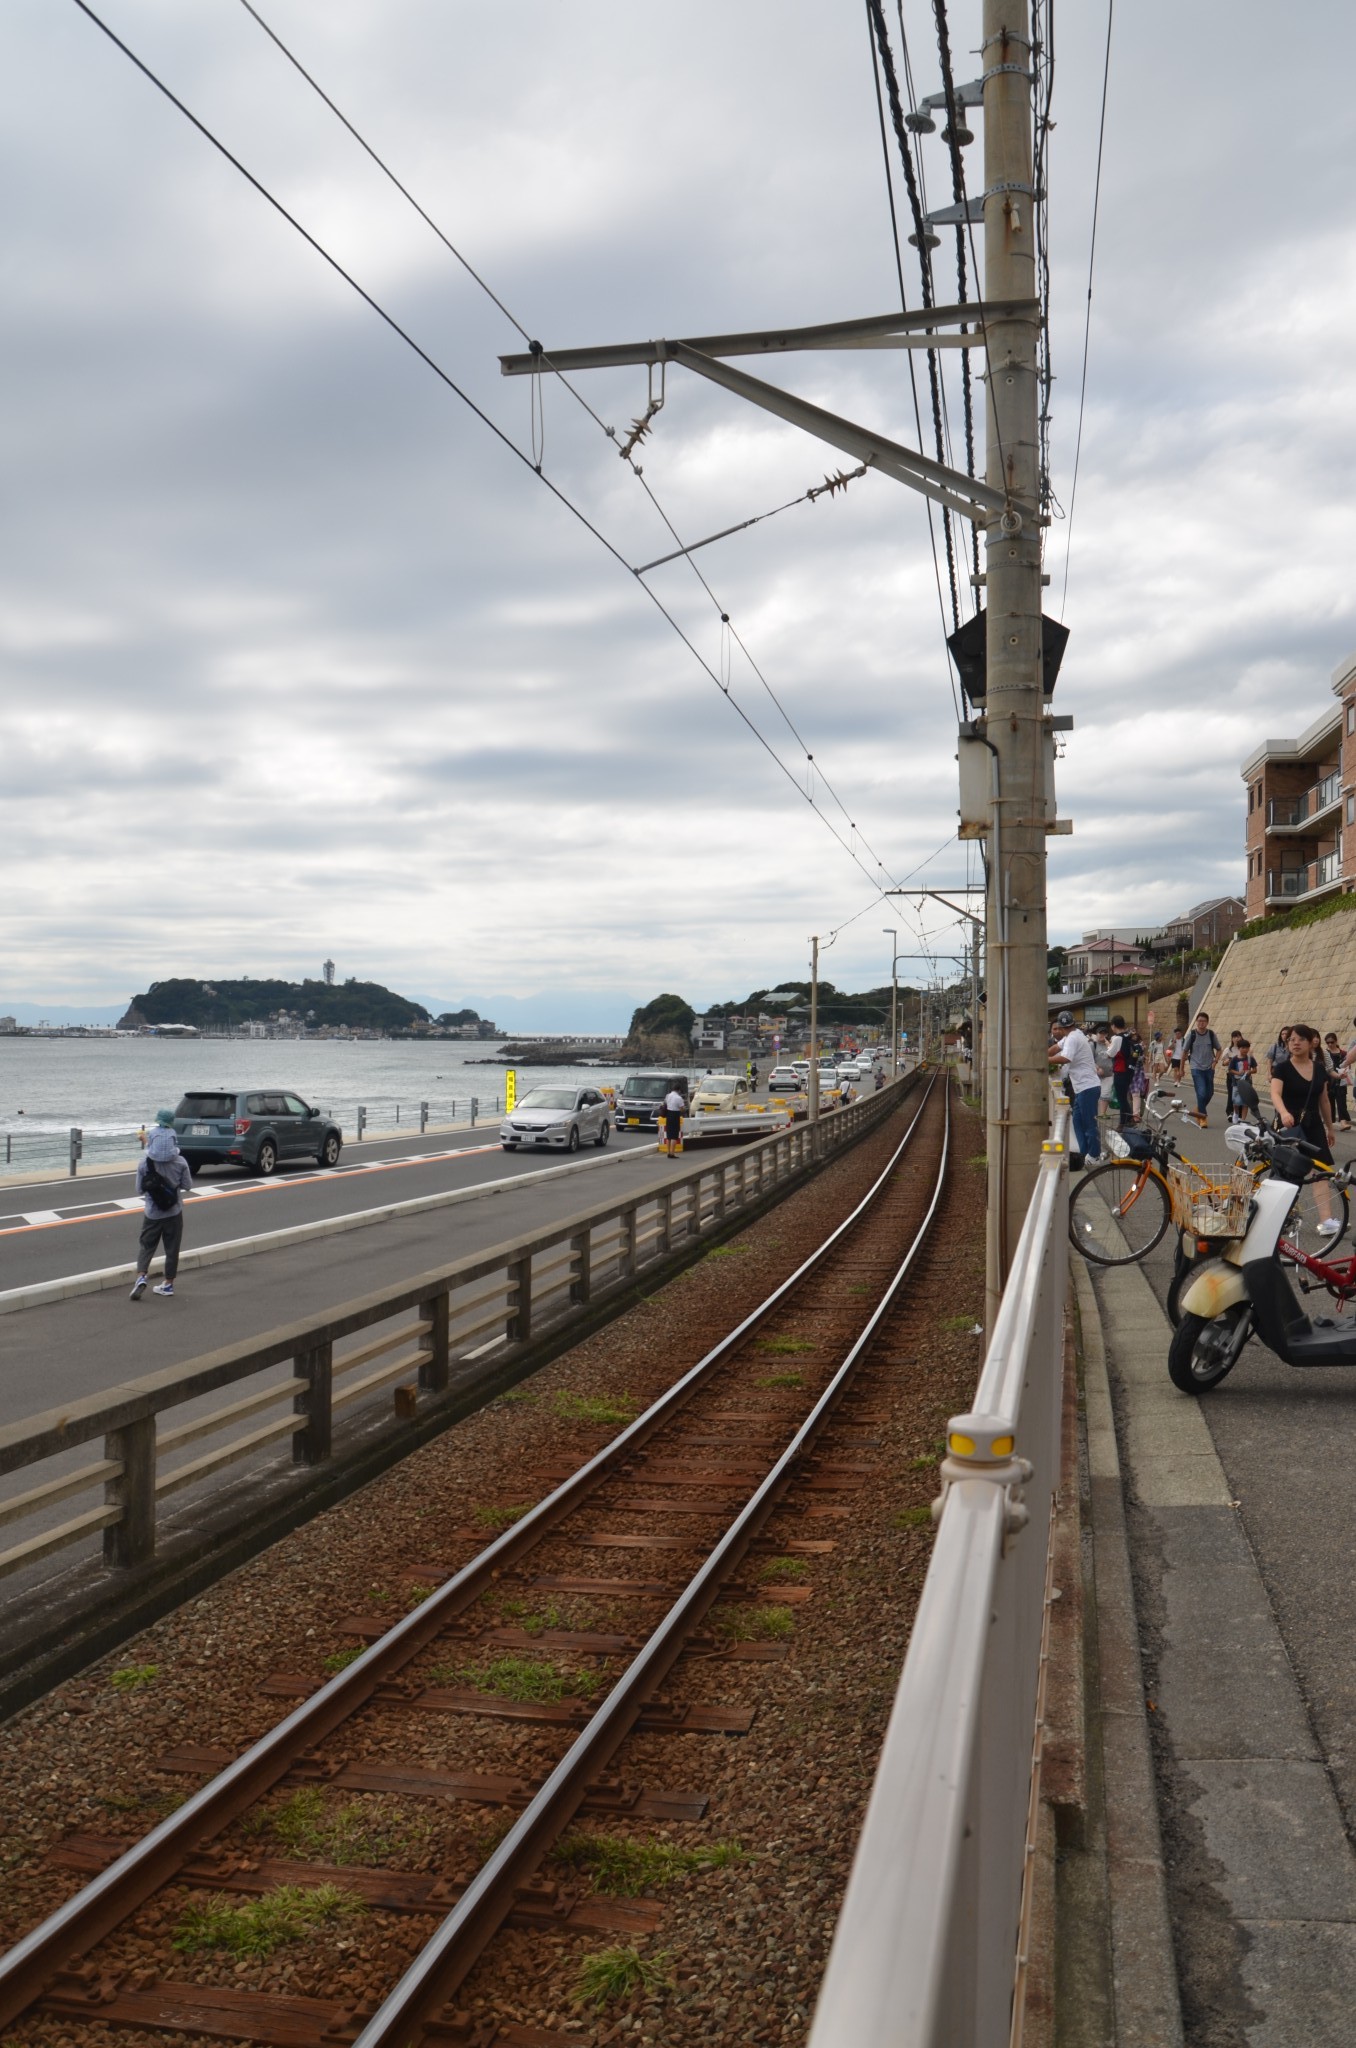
(300, 660)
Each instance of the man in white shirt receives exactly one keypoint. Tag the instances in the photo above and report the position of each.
(674, 1106)
(1074, 1052)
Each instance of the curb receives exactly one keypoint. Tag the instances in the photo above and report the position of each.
(297, 1233)
(1145, 1994)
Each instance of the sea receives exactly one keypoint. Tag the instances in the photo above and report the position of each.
(108, 1088)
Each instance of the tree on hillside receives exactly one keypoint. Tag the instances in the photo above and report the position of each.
(667, 1016)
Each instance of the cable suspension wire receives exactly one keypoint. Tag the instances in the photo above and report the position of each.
(876, 13)
(626, 450)
(913, 368)
(450, 382)
(1087, 314)
(953, 142)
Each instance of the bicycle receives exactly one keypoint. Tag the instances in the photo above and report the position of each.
(1121, 1208)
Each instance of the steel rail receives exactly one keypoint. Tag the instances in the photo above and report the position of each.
(443, 1963)
(100, 1906)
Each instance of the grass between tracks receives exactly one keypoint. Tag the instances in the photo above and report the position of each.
(520, 1678)
(624, 1867)
(260, 1926)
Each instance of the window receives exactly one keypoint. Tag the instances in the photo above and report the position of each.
(1351, 807)
(1351, 717)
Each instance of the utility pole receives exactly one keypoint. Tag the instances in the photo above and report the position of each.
(1006, 503)
(894, 1003)
(1017, 1094)
(813, 1111)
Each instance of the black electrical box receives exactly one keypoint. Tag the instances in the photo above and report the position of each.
(969, 649)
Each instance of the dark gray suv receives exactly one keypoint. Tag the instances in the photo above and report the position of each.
(259, 1129)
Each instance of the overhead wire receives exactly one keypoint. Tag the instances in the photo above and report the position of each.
(913, 371)
(880, 29)
(1087, 314)
(450, 382)
(626, 451)
(952, 139)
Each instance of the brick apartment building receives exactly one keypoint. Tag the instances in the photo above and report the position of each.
(1301, 796)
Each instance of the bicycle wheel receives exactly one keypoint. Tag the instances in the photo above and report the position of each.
(1316, 1202)
(1117, 1213)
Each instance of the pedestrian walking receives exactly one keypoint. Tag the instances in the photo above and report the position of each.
(1124, 1049)
(1158, 1062)
(1240, 1066)
(1299, 1093)
(1279, 1049)
(1201, 1051)
(1337, 1080)
(1074, 1053)
(162, 1177)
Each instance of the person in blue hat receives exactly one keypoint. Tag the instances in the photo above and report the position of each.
(162, 1177)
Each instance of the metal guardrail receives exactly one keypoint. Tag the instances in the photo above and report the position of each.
(928, 1948)
(453, 1326)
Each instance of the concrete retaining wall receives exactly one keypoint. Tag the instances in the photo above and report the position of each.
(1306, 976)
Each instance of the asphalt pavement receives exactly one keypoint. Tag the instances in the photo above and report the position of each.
(56, 1228)
(1243, 1535)
(61, 1349)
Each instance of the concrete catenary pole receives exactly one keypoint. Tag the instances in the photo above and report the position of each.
(894, 1003)
(813, 1110)
(1017, 1094)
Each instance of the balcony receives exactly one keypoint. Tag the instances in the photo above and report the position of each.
(1315, 878)
(1302, 813)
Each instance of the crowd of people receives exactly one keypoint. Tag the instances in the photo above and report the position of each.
(1110, 1069)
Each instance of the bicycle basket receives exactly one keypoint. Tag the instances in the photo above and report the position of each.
(1223, 1211)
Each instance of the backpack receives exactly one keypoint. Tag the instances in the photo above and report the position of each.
(1101, 1059)
(1130, 1054)
(162, 1194)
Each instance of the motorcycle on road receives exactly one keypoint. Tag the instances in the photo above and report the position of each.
(1247, 1289)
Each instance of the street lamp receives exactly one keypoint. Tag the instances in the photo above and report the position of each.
(893, 937)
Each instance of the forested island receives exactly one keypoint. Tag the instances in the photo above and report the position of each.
(303, 1005)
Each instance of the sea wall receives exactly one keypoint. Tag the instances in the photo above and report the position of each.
(1302, 976)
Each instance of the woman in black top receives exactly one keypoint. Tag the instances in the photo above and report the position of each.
(1299, 1091)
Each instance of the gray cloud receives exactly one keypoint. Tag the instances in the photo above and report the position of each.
(259, 562)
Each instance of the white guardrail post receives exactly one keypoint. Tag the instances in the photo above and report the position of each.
(926, 1950)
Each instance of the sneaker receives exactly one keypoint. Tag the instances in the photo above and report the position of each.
(165, 1287)
(1330, 1228)
(138, 1287)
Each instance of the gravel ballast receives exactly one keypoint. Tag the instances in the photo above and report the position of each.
(737, 1949)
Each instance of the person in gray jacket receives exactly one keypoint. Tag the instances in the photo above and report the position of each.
(162, 1169)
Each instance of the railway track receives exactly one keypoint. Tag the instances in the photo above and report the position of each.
(701, 1472)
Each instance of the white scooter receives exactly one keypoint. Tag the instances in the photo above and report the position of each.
(1247, 1290)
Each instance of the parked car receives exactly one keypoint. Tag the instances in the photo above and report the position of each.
(259, 1129)
(557, 1116)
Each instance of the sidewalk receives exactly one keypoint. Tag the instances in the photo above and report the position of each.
(1224, 1725)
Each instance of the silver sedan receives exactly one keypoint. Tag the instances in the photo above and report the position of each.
(557, 1116)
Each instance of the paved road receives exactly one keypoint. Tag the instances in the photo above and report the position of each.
(56, 1351)
(53, 1229)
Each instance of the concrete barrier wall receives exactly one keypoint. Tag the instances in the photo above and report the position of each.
(1304, 976)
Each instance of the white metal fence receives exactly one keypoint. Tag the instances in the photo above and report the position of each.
(927, 1949)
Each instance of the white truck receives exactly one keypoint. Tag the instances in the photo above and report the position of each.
(724, 1111)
